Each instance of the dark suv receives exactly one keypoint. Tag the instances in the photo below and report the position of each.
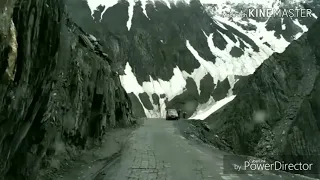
(172, 114)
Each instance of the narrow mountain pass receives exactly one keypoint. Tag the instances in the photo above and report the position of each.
(157, 151)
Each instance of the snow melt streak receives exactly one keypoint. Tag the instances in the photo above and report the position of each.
(225, 66)
(93, 4)
(170, 89)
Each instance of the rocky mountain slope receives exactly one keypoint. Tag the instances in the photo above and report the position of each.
(58, 90)
(276, 111)
(186, 54)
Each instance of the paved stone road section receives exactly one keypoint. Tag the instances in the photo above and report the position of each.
(157, 151)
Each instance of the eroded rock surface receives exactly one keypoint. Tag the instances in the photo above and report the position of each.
(57, 88)
(276, 111)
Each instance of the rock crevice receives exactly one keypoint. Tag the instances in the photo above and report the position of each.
(56, 89)
(275, 114)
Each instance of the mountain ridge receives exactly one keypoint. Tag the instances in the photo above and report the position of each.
(188, 43)
(275, 114)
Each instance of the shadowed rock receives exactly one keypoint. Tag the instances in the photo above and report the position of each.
(137, 108)
(276, 112)
(144, 97)
(60, 89)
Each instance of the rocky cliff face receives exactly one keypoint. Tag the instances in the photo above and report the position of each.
(57, 88)
(184, 54)
(276, 111)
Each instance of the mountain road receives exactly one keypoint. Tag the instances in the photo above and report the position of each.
(157, 151)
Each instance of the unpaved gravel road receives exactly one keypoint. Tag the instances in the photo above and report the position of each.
(157, 151)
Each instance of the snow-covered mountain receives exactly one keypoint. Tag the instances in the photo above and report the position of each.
(189, 54)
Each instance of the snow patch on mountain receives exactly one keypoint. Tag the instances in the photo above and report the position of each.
(93, 4)
(204, 110)
(229, 12)
(260, 35)
(130, 83)
(225, 66)
(243, 65)
(315, 16)
(221, 11)
(171, 88)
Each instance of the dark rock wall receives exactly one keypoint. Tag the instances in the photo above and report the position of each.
(7, 39)
(188, 100)
(61, 87)
(137, 108)
(142, 46)
(148, 56)
(276, 111)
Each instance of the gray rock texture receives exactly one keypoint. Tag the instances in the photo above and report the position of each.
(57, 87)
(276, 111)
(153, 47)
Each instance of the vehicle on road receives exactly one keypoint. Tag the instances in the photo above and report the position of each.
(172, 114)
(184, 115)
